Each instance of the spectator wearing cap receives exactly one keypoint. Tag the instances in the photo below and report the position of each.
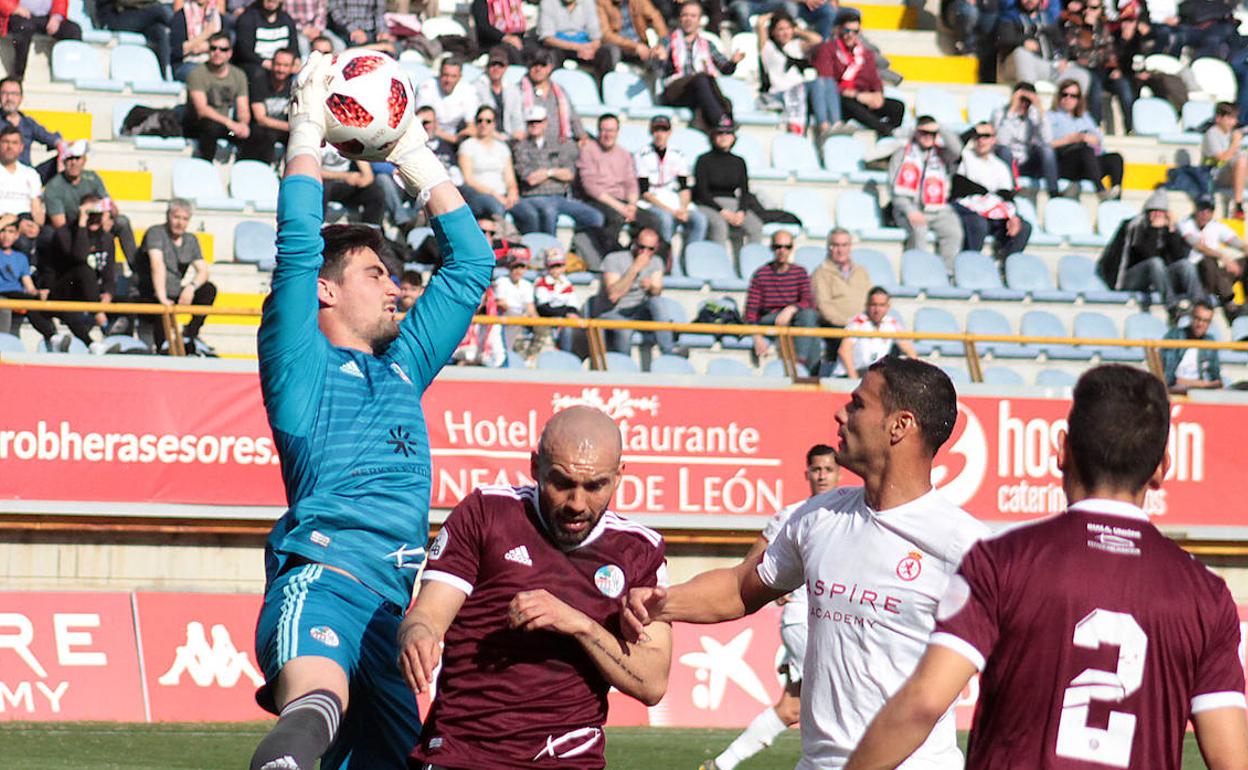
(32, 132)
(848, 60)
(553, 294)
(985, 203)
(217, 103)
(608, 181)
(1220, 255)
(663, 178)
(1220, 151)
(66, 190)
(691, 66)
(171, 270)
(489, 179)
(1187, 369)
(538, 90)
(493, 89)
(16, 282)
(922, 187)
(544, 171)
(513, 294)
(500, 25)
(632, 282)
(569, 29)
(80, 265)
(626, 24)
(1148, 255)
(722, 191)
(411, 286)
(1024, 132)
(779, 295)
(454, 101)
(21, 20)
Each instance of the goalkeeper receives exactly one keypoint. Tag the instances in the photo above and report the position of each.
(342, 381)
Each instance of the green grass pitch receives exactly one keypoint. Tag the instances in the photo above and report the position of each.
(114, 746)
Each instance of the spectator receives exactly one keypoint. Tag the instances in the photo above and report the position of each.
(627, 24)
(151, 18)
(1023, 131)
(489, 180)
(819, 15)
(1188, 369)
(1218, 269)
(80, 266)
(545, 170)
(513, 294)
(31, 131)
(1220, 150)
(442, 148)
(20, 21)
(261, 31)
(722, 191)
(537, 89)
(67, 189)
(171, 270)
(269, 95)
(858, 353)
(554, 296)
(493, 89)
(922, 188)
(16, 282)
(1209, 28)
(986, 207)
(482, 344)
(839, 286)
(974, 27)
(1090, 44)
(785, 57)
(690, 69)
(352, 184)
(193, 24)
(311, 18)
(1078, 143)
(453, 101)
(847, 60)
(1148, 255)
(500, 23)
(569, 29)
(411, 286)
(20, 187)
(361, 23)
(663, 179)
(1031, 40)
(218, 106)
(324, 44)
(779, 295)
(608, 182)
(631, 284)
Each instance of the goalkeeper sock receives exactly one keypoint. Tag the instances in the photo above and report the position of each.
(758, 736)
(303, 732)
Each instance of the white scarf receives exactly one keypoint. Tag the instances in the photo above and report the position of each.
(924, 176)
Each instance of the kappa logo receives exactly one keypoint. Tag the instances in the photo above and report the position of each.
(610, 580)
(520, 555)
(621, 404)
(910, 567)
(402, 441)
(960, 486)
(219, 663)
(718, 664)
(351, 368)
(325, 635)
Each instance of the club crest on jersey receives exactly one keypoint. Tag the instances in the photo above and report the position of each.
(325, 635)
(911, 566)
(610, 580)
(439, 544)
(399, 371)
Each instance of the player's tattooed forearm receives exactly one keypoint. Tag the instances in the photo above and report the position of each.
(619, 660)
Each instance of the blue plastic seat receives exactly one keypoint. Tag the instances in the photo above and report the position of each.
(978, 272)
(254, 182)
(1042, 323)
(669, 364)
(1029, 274)
(120, 344)
(417, 71)
(811, 209)
(691, 143)
(1000, 375)
(1091, 325)
(744, 100)
(858, 212)
(83, 65)
(1027, 211)
(985, 321)
(64, 342)
(709, 261)
(728, 367)
(775, 370)
(882, 271)
(926, 272)
(623, 91)
(634, 137)
(1110, 214)
(938, 321)
(537, 243)
(621, 363)
(196, 180)
(1078, 274)
(581, 90)
(797, 155)
(755, 157)
(255, 243)
(11, 343)
(417, 235)
(810, 257)
(981, 103)
(1239, 329)
(1154, 117)
(939, 104)
(137, 66)
(1055, 378)
(753, 256)
(958, 376)
(1066, 217)
(559, 361)
(1142, 326)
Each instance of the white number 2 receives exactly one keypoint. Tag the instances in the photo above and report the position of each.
(1112, 745)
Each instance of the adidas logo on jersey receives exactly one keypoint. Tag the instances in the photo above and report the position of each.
(520, 555)
(351, 368)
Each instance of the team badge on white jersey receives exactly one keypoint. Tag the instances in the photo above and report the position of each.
(520, 555)
(610, 580)
(910, 567)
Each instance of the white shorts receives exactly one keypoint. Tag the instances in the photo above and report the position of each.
(794, 638)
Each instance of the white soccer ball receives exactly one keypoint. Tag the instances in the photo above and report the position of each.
(370, 104)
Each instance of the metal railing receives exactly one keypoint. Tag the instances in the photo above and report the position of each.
(594, 327)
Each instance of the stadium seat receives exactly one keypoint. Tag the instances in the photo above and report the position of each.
(1142, 326)
(417, 235)
(669, 364)
(254, 182)
(752, 257)
(1091, 325)
(1000, 375)
(120, 344)
(11, 343)
(136, 65)
(939, 104)
(121, 109)
(926, 272)
(882, 271)
(559, 361)
(1029, 274)
(64, 342)
(634, 137)
(796, 154)
(1239, 329)
(1214, 78)
(621, 363)
(626, 92)
(728, 367)
(709, 261)
(1196, 114)
(416, 70)
(744, 100)
(1042, 323)
(690, 142)
(581, 89)
(197, 180)
(255, 243)
(83, 65)
(1154, 117)
(1066, 218)
(700, 340)
(812, 210)
(1055, 378)
(810, 257)
(1111, 214)
(843, 157)
(1078, 274)
(775, 370)
(751, 151)
(981, 103)
(957, 375)
(77, 13)
(984, 321)
(1163, 63)
(858, 212)
(1027, 211)
(747, 44)
(937, 321)
(537, 243)
(438, 26)
(979, 272)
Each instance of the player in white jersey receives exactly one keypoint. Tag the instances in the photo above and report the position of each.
(823, 475)
(875, 560)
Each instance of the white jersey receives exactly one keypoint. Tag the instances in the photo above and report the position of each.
(794, 610)
(873, 579)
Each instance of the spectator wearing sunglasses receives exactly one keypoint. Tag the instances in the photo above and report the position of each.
(632, 282)
(489, 179)
(922, 187)
(217, 93)
(1079, 144)
(779, 295)
(847, 59)
(986, 201)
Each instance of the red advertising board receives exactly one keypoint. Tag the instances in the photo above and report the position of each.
(702, 454)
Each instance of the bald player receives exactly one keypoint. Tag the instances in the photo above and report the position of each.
(523, 587)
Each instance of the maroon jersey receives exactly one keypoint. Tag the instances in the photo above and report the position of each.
(525, 699)
(1097, 638)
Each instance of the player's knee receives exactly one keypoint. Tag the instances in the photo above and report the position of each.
(305, 729)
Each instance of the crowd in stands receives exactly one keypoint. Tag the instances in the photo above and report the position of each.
(523, 158)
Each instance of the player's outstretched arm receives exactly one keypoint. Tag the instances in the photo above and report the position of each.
(638, 669)
(909, 716)
(1223, 737)
(421, 633)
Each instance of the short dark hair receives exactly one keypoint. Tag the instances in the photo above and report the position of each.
(1226, 108)
(603, 118)
(414, 277)
(15, 81)
(692, 2)
(1203, 304)
(294, 53)
(1118, 426)
(9, 129)
(923, 390)
(484, 109)
(1023, 85)
(451, 61)
(818, 450)
(220, 36)
(340, 241)
(878, 290)
(540, 56)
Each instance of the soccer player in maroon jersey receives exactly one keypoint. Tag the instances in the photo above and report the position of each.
(523, 586)
(1097, 637)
